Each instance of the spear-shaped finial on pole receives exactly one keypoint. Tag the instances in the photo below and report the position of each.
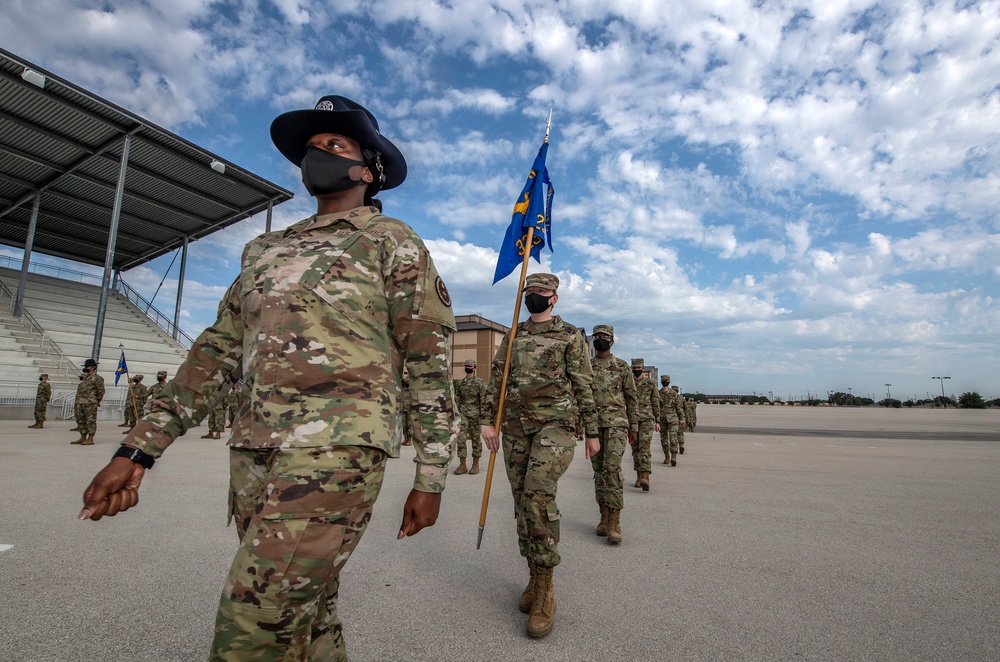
(548, 125)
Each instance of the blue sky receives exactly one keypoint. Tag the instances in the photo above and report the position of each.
(786, 197)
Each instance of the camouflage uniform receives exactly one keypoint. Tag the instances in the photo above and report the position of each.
(405, 409)
(469, 394)
(42, 397)
(231, 404)
(548, 394)
(217, 418)
(319, 324)
(89, 394)
(154, 390)
(683, 422)
(617, 414)
(671, 419)
(136, 400)
(691, 413)
(649, 416)
(78, 412)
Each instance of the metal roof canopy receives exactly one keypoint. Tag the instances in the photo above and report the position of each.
(83, 179)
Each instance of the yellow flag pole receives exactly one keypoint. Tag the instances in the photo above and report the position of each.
(506, 365)
(503, 384)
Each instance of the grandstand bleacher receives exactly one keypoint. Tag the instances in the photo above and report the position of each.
(57, 334)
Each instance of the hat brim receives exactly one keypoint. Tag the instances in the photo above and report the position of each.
(292, 130)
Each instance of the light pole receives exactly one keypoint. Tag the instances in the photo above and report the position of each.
(888, 395)
(942, 387)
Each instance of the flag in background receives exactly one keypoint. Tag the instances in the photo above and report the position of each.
(533, 208)
(122, 368)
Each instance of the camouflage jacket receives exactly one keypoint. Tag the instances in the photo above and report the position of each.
(140, 392)
(232, 399)
(44, 392)
(691, 412)
(549, 382)
(649, 399)
(319, 325)
(671, 407)
(469, 392)
(154, 390)
(90, 391)
(614, 394)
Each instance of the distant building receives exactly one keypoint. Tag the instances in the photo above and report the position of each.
(477, 338)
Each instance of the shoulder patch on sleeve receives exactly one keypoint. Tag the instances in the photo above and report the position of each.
(442, 292)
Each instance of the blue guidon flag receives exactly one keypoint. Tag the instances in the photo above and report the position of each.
(122, 368)
(533, 209)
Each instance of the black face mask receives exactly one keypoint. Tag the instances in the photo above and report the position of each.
(536, 303)
(637, 373)
(469, 371)
(323, 172)
(600, 344)
(664, 384)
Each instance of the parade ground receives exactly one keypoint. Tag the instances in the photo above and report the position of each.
(784, 533)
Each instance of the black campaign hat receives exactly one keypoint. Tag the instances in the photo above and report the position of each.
(336, 114)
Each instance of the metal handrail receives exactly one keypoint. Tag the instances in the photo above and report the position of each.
(47, 344)
(118, 285)
(44, 269)
(152, 313)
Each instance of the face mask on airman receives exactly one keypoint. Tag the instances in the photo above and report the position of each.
(637, 373)
(469, 371)
(602, 344)
(536, 303)
(324, 173)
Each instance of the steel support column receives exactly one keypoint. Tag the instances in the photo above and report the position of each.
(29, 241)
(110, 254)
(180, 291)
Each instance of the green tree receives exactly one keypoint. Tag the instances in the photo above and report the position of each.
(971, 400)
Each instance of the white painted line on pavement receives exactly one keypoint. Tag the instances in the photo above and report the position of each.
(4, 548)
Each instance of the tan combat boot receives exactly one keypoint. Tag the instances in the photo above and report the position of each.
(543, 609)
(123, 425)
(602, 528)
(644, 481)
(614, 526)
(41, 424)
(218, 435)
(474, 469)
(210, 435)
(82, 439)
(462, 469)
(88, 441)
(33, 426)
(673, 460)
(528, 594)
(638, 479)
(76, 429)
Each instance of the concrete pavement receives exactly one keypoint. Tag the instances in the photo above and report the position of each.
(846, 534)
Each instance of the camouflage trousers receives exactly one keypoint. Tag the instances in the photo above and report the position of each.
(40, 407)
(217, 420)
(534, 464)
(680, 437)
(469, 431)
(87, 418)
(642, 461)
(668, 438)
(78, 414)
(607, 464)
(231, 414)
(130, 408)
(299, 514)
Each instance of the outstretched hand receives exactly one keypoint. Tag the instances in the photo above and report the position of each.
(114, 489)
(419, 511)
